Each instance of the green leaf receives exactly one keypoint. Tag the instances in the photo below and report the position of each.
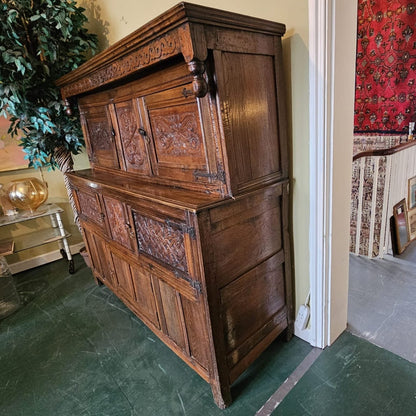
(30, 63)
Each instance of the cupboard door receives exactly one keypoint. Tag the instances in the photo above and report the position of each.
(144, 296)
(172, 313)
(133, 143)
(119, 224)
(121, 272)
(100, 135)
(171, 120)
(88, 205)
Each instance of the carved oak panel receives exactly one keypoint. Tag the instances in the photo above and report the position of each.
(132, 142)
(177, 136)
(89, 206)
(102, 147)
(161, 241)
(120, 228)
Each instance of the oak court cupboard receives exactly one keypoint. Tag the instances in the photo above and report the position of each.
(185, 208)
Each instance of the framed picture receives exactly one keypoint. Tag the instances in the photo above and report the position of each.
(11, 154)
(401, 226)
(411, 218)
(412, 193)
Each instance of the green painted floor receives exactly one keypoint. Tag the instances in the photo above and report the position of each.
(74, 349)
(354, 378)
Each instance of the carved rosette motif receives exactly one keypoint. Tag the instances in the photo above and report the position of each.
(89, 207)
(116, 221)
(161, 241)
(132, 141)
(161, 48)
(177, 134)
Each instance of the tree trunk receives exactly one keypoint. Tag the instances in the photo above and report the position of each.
(64, 160)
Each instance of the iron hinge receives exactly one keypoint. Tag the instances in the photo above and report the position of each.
(219, 176)
(190, 231)
(185, 228)
(196, 285)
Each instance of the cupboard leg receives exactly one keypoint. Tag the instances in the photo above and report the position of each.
(222, 395)
(288, 334)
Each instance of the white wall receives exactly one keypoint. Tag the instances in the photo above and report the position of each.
(342, 130)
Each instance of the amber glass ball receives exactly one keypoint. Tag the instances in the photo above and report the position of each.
(27, 193)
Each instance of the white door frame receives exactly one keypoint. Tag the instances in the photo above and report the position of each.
(332, 34)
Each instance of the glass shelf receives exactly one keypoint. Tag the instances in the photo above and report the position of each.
(56, 233)
(38, 238)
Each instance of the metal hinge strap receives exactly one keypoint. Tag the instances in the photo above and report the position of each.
(194, 283)
(185, 228)
(219, 176)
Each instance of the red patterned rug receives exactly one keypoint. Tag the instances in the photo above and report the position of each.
(385, 100)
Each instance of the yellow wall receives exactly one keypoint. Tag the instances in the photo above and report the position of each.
(56, 194)
(114, 20)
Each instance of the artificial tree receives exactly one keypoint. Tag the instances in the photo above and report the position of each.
(41, 40)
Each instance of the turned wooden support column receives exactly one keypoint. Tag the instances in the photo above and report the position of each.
(199, 85)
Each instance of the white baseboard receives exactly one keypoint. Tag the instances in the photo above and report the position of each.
(27, 264)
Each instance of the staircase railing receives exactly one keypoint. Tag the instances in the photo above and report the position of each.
(380, 180)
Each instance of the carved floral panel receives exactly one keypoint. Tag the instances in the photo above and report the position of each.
(119, 226)
(134, 149)
(89, 207)
(177, 135)
(100, 135)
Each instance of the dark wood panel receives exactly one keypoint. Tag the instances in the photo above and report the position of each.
(254, 237)
(249, 115)
(174, 126)
(100, 257)
(88, 205)
(196, 326)
(251, 300)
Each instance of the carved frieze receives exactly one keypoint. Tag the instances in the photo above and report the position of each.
(160, 48)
